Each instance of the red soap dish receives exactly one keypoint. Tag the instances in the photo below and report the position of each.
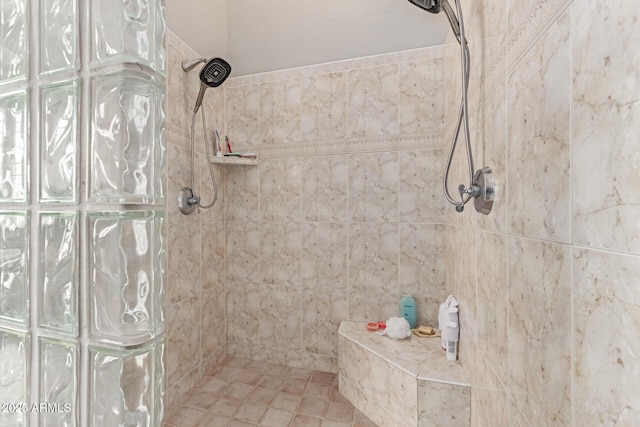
(372, 326)
(382, 325)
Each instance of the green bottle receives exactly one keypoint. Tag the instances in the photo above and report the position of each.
(408, 310)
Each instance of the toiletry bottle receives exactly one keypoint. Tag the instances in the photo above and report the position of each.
(408, 310)
(452, 333)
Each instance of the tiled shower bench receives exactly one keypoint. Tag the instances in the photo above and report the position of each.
(404, 383)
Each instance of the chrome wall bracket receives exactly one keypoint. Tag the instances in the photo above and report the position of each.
(484, 190)
(187, 201)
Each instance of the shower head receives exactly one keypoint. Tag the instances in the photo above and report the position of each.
(190, 65)
(432, 6)
(436, 6)
(213, 74)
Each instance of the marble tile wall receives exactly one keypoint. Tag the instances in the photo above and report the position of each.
(555, 113)
(343, 214)
(195, 298)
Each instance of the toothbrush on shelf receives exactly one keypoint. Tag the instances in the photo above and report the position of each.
(218, 146)
(226, 138)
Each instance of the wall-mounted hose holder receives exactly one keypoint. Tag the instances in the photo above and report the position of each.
(187, 201)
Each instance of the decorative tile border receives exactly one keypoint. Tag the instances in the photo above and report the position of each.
(519, 43)
(540, 19)
(431, 141)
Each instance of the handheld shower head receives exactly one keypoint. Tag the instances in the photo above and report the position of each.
(213, 74)
(432, 6)
(436, 6)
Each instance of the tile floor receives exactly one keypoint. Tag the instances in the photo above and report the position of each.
(245, 393)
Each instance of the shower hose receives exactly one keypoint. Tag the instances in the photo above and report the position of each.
(466, 194)
(193, 155)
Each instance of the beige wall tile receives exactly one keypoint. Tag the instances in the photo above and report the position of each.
(280, 111)
(539, 331)
(606, 340)
(322, 312)
(183, 267)
(421, 269)
(606, 128)
(213, 333)
(243, 317)
(441, 404)
(492, 301)
(373, 187)
(213, 256)
(538, 133)
(492, 396)
(243, 252)
(324, 256)
(373, 271)
(280, 314)
(242, 106)
(355, 368)
(373, 101)
(183, 339)
(420, 194)
(242, 189)
(323, 109)
(393, 394)
(280, 245)
(325, 183)
(420, 105)
(280, 184)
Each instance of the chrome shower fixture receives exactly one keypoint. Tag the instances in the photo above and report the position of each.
(188, 66)
(213, 74)
(481, 183)
(432, 6)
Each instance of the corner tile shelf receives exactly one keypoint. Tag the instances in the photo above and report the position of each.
(233, 161)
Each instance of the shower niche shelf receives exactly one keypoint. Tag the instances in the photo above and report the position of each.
(233, 161)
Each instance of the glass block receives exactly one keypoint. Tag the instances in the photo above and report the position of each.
(123, 269)
(160, 266)
(13, 39)
(123, 31)
(160, 377)
(14, 286)
(14, 376)
(58, 272)
(160, 146)
(122, 141)
(13, 147)
(123, 386)
(59, 142)
(161, 27)
(58, 383)
(58, 35)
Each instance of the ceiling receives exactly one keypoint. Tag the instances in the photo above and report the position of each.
(260, 36)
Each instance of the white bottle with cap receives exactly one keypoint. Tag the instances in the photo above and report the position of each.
(452, 333)
(449, 324)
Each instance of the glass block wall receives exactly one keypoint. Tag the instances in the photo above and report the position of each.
(82, 206)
